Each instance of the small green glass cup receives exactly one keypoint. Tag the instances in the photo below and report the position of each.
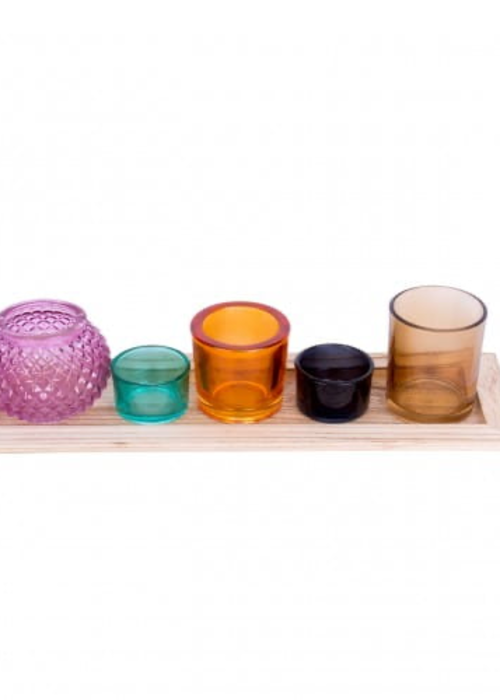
(151, 384)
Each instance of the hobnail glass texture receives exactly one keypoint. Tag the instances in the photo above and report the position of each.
(53, 362)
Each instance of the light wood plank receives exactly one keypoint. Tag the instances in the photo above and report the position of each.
(101, 429)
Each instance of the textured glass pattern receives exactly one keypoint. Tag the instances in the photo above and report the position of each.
(53, 362)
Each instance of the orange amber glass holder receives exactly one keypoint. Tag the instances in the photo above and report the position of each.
(239, 352)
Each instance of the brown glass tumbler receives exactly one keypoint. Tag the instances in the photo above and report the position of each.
(436, 336)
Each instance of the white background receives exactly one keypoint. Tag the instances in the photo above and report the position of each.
(156, 157)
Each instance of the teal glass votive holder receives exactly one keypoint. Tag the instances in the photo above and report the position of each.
(151, 384)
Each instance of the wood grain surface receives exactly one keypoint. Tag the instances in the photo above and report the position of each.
(101, 430)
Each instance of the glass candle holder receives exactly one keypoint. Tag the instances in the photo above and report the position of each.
(151, 384)
(53, 362)
(436, 336)
(240, 351)
(333, 382)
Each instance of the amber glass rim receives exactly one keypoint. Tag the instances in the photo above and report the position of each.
(430, 329)
(199, 334)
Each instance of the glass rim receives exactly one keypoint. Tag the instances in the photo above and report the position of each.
(76, 311)
(325, 380)
(199, 334)
(172, 351)
(457, 329)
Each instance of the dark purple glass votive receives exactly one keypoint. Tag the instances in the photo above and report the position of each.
(333, 382)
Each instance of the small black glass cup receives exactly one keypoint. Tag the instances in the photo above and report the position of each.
(333, 382)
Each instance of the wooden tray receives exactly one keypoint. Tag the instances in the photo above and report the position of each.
(102, 430)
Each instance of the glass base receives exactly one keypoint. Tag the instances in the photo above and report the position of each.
(151, 404)
(429, 401)
(151, 419)
(240, 402)
(334, 421)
